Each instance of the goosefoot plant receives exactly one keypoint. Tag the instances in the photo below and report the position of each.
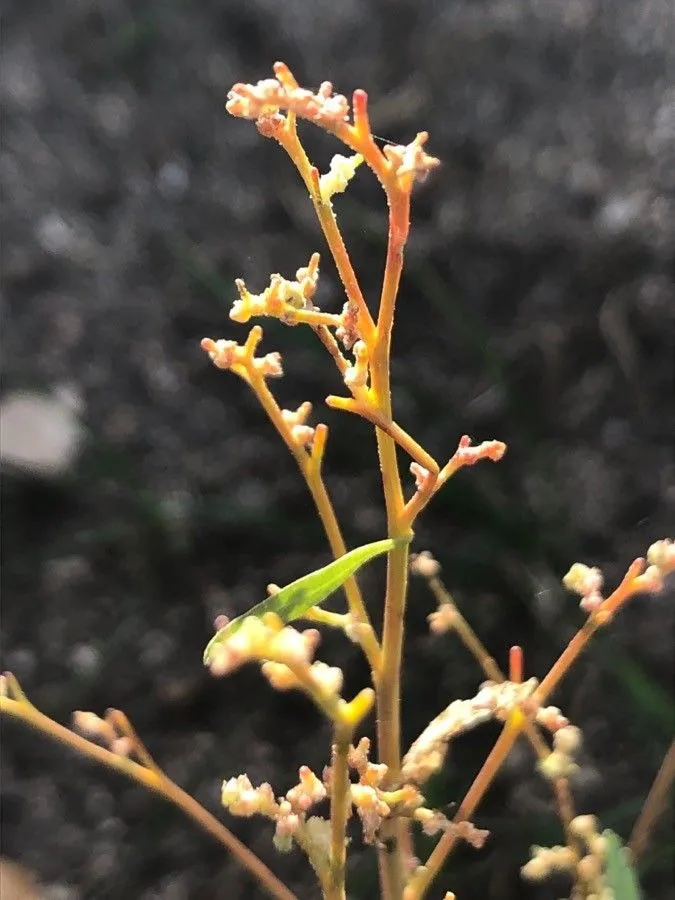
(384, 792)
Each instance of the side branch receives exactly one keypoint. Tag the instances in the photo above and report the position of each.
(154, 780)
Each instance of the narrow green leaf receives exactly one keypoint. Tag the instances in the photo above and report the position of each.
(621, 875)
(292, 601)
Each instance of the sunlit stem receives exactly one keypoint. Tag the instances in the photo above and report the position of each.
(154, 780)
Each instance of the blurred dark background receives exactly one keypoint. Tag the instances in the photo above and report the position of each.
(144, 491)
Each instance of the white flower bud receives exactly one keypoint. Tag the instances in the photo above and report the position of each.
(341, 172)
(584, 826)
(662, 554)
(279, 676)
(425, 565)
(567, 740)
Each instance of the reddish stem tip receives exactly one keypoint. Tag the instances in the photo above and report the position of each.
(516, 664)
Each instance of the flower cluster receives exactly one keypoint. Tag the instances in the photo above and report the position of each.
(410, 163)
(289, 812)
(301, 433)
(266, 102)
(285, 653)
(271, 95)
(560, 763)
(493, 700)
(468, 454)
(342, 170)
(587, 869)
(367, 796)
(433, 822)
(374, 803)
(231, 355)
(551, 718)
(348, 331)
(586, 581)
(281, 299)
(114, 732)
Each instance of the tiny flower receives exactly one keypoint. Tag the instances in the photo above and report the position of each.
(468, 455)
(248, 304)
(302, 435)
(357, 632)
(442, 619)
(269, 365)
(551, 718)
(309, 791)
(348, 333)
(583, 580)
(357, 757)
(93, 726)
(589, 868)
(245, 644)
(431, 820)
(651, 580)
(662, 554)
(280, 676)
(307, 277)
(271, 125)
(289, 646)
(312, 637)
(122, 746)
(561, 859)
(425, 565)
(557, 765)
(342, 170)
(371, 810)
(327, 678)
(222, 353)
(422, 475)
(590, 603)
(233, 788)
(537, 869)
(298, 416)
(366, 797)
(288, 823)
(584, 826)
(357, 374)
(411, 163)
(567, 740)
(597, 844)
(374, 774)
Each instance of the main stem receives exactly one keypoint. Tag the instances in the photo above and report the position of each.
(392, 862)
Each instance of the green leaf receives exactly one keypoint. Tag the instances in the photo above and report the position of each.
(621, 876)
(293, 601)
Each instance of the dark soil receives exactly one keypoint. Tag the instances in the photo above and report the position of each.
(538, 308)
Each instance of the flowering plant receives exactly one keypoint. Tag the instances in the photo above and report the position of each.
(383, 790)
